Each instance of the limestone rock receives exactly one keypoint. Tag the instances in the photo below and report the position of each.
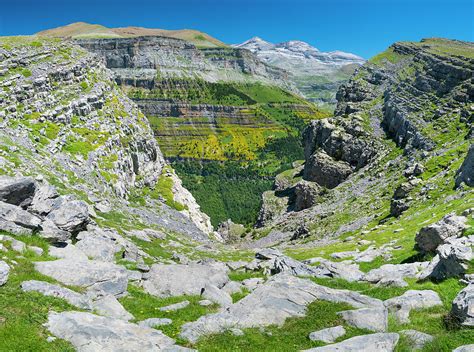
(109, 306)
(176, 306)
(4, 271)
(52, 233)
(328, 335)
(98, 247)
(16, 220)
(69, 214)
(463, 306)
(155, 322)
(45, 288)
(43, 200)
(380, 342)
(217, 295)
(178, 279)
(375, 319)
(393, 274)
(88, 332)
(91, 274)
(465, 348)
(465, 174)
(431, 236)
(306, 194)
(401, 306)
(229, 231)
(17, 190)
(418, 339)
(326, 171)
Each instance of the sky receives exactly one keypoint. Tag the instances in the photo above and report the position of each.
(363, 27)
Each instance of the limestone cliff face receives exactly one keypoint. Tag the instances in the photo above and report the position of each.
(143, 61)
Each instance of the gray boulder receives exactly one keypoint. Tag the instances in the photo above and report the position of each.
(17, 190)
(328, 335)
(417, 339)
(348, 272)
(94, 275)
(431, 236)
(463, 306)
(219, 296)
(88, 332)
(281, 297)
(401, 306)
(97, 247)
(43, 200)
(465, 348)
(109, 306)
(178, 279)
(155, 322)
(69, 214)
(174, 307)
(52, 233)
(4, 272)
(380, 342)
(325, 170)
(465, 174)
(306, 194)
(45, 288)
(374, 319)
(394, 274)
(16, 220)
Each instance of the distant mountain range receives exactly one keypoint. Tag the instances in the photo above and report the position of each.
(316, 74)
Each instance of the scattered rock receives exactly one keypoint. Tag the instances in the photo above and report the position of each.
(4, 271)
(401, 306)
(88, 332)
(418, 339)
(176, 306)
(178, 279)
(431, 236)
(463, 306)
(155, 322)
(45, 288)
(380, 342)
(375, 319)
(328, 335)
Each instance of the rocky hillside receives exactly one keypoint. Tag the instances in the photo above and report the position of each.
(366, 242)
(316, 74)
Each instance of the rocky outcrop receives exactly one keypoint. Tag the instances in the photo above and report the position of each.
(431, 236)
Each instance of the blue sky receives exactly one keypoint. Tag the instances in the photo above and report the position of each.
(364, 27)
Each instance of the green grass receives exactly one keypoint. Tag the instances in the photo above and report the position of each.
(143, 306)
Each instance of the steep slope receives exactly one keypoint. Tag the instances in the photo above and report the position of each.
(85, 30)
(316, 74)
(219, 114)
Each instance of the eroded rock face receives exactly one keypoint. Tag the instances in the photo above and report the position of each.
(281, 297)
(178, 279)
(88, 332)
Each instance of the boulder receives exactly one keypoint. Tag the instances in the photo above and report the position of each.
(328, 335)
(463, 306)
(94, 275)
(174, 307)
(394, 274)
(348, 272)
(465, 174)
(17, 190)
(230, 231)
(380, 342)
(98, 247)
(374, 319)
(69, 214)
(417, 339)
(52, 233)
(465, 348)
(179, 279)
(4, 272)
(219, 296)
(415, 169)
(281, 297)
(89, 332)
(109, 306)
(306, 194)
(45, 288)
(16, 220)
(401, 306)
(326, 171)
(431, 236)
(43, 200)
(155, 322)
